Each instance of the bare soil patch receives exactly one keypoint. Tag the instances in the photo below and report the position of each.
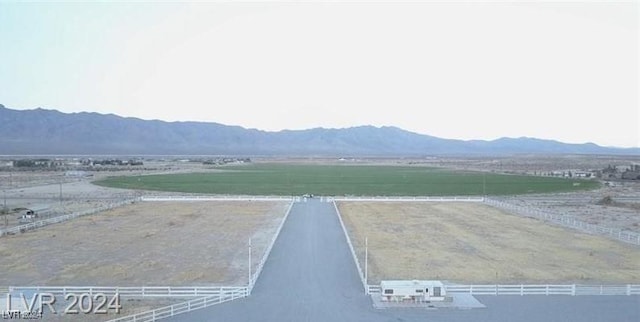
(148, 243)
(476, 243)
(623, 212)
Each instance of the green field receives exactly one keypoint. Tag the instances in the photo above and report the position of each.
(335, 180)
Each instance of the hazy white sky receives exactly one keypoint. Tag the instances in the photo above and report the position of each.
(469, 70)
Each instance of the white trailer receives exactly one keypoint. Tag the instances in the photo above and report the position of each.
(27, 216)
(419, 291)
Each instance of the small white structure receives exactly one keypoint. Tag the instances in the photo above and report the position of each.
(27, 216)
(419, 291)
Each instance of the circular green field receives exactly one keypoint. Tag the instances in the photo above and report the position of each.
(335, 180)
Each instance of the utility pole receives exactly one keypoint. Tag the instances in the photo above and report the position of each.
(5, 211)
(484, 184)
(61, 193)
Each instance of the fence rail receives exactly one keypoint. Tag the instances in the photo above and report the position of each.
(58, 219)
(353, 252)
(542, 289)
(405, 199)
(568, 221)
(373, 289)
(216, 198)
(171, 310)
(144, 291)
(255, 276)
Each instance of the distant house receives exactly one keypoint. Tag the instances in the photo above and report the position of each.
(76, 174)
(27, 216)
(582, 174)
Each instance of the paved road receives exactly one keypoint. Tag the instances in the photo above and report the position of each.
(310, 276)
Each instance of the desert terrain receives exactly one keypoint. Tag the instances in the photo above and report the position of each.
(474, 243)
(148, 243)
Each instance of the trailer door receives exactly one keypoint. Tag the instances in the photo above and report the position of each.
(436, 291)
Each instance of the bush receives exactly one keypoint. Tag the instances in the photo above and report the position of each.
(606, 201)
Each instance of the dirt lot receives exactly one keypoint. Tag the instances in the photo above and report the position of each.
(475, 243)
(623, 212)
(149, 243)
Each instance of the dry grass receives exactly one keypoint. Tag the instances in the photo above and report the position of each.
(159, 243)
(475, 243)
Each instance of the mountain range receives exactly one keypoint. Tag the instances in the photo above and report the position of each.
(43, 131)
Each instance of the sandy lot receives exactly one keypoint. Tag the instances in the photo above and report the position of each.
(149, 243)
(475, 243)
(623, 213)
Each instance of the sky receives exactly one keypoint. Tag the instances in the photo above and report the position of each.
(565, 71)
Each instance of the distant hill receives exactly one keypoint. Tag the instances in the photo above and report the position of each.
(42, 131)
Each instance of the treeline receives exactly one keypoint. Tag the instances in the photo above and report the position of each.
(37, 163)
(52, 164)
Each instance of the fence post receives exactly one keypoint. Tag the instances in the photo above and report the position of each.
(628, 289)
(573, 290)
(521, 290)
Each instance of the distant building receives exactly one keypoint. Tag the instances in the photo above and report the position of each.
(76, 174)
(27, 216)
(581, 174)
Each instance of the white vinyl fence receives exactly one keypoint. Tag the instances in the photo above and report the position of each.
(217, 198)
(524, 289)
(353, 253)
(406, 199)
(144, 291)
(568, 221)
(255, 275)
(57, 219)
(196, 304)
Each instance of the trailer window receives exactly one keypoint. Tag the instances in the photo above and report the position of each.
(418, 291)
(388, 291)
(426, 290)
